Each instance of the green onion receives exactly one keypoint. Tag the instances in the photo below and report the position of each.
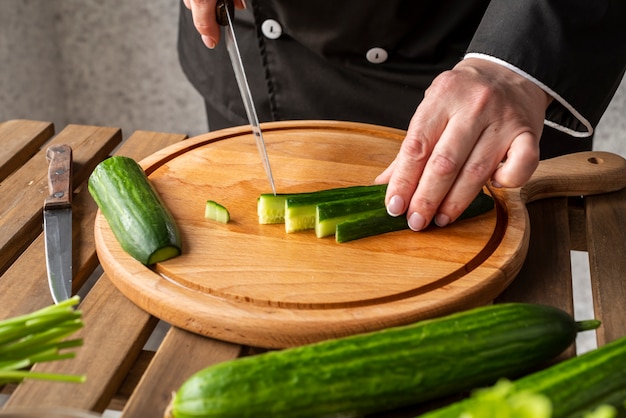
(38, 337)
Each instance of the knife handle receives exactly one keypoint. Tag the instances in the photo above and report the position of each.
(220, 11)
(59, 177)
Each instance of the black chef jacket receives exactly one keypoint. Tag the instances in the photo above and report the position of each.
(371, 60)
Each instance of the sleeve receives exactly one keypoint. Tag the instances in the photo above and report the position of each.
(575, 50)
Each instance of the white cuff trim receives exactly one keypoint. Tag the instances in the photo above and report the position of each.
(555, 95)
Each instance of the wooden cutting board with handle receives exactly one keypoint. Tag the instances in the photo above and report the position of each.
(254, 284)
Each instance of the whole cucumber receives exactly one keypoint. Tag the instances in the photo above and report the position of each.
(574, 387)
(135, 212)
(382, 370)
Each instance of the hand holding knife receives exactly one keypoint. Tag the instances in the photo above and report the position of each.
(57, 221)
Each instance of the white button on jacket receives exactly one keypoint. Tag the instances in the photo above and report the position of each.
(271, 29)
(376, 55)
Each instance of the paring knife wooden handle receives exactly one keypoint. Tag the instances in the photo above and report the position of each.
(220, 11)
(59, 177)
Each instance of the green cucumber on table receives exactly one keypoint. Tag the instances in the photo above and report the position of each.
(139, 219)
(382, 370)
(574, 387)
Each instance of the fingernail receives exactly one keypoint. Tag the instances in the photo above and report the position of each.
(395, 206)
(209, 42)
(417, 222)
(442, 220)
(496, 184)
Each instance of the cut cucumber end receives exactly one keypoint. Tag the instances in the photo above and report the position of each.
(216, 211)
(588, 325)
(271, 209)
(295, 223)
(325, 228)
(163, 254)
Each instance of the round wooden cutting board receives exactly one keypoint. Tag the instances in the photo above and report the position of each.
(254, 284)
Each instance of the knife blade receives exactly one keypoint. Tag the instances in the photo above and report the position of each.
(57, 222)
(225, 13)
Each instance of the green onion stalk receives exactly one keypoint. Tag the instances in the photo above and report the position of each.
(38, 337)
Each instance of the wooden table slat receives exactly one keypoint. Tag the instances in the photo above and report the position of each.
(20, 140)
(546, 275)
(577, 224)
(181, 354)
(606, 232)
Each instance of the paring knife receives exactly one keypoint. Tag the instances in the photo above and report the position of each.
(57, 222)
(225, 13)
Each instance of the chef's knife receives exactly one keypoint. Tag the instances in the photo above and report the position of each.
(57, 222)
(225, 12)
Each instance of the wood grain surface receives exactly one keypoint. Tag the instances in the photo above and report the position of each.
(254, 284)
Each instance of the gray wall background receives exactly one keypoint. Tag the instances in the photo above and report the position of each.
(110, 62)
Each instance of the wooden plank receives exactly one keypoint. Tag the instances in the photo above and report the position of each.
(20, 140)
(115, 329)
(131, 380)
(24, 286)
(546, 276)
(25, 190)
(181, 354)
(606, 241)
(577, 224)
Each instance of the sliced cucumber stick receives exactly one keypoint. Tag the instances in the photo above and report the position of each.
(349, 212)
(297, 210)
(378, 221)
(300, 209)
(329, 214)
(370, 223)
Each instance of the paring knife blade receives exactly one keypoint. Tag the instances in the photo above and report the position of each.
(225, 13)
(57, 222)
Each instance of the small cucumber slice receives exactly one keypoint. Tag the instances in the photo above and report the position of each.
(217, 212)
